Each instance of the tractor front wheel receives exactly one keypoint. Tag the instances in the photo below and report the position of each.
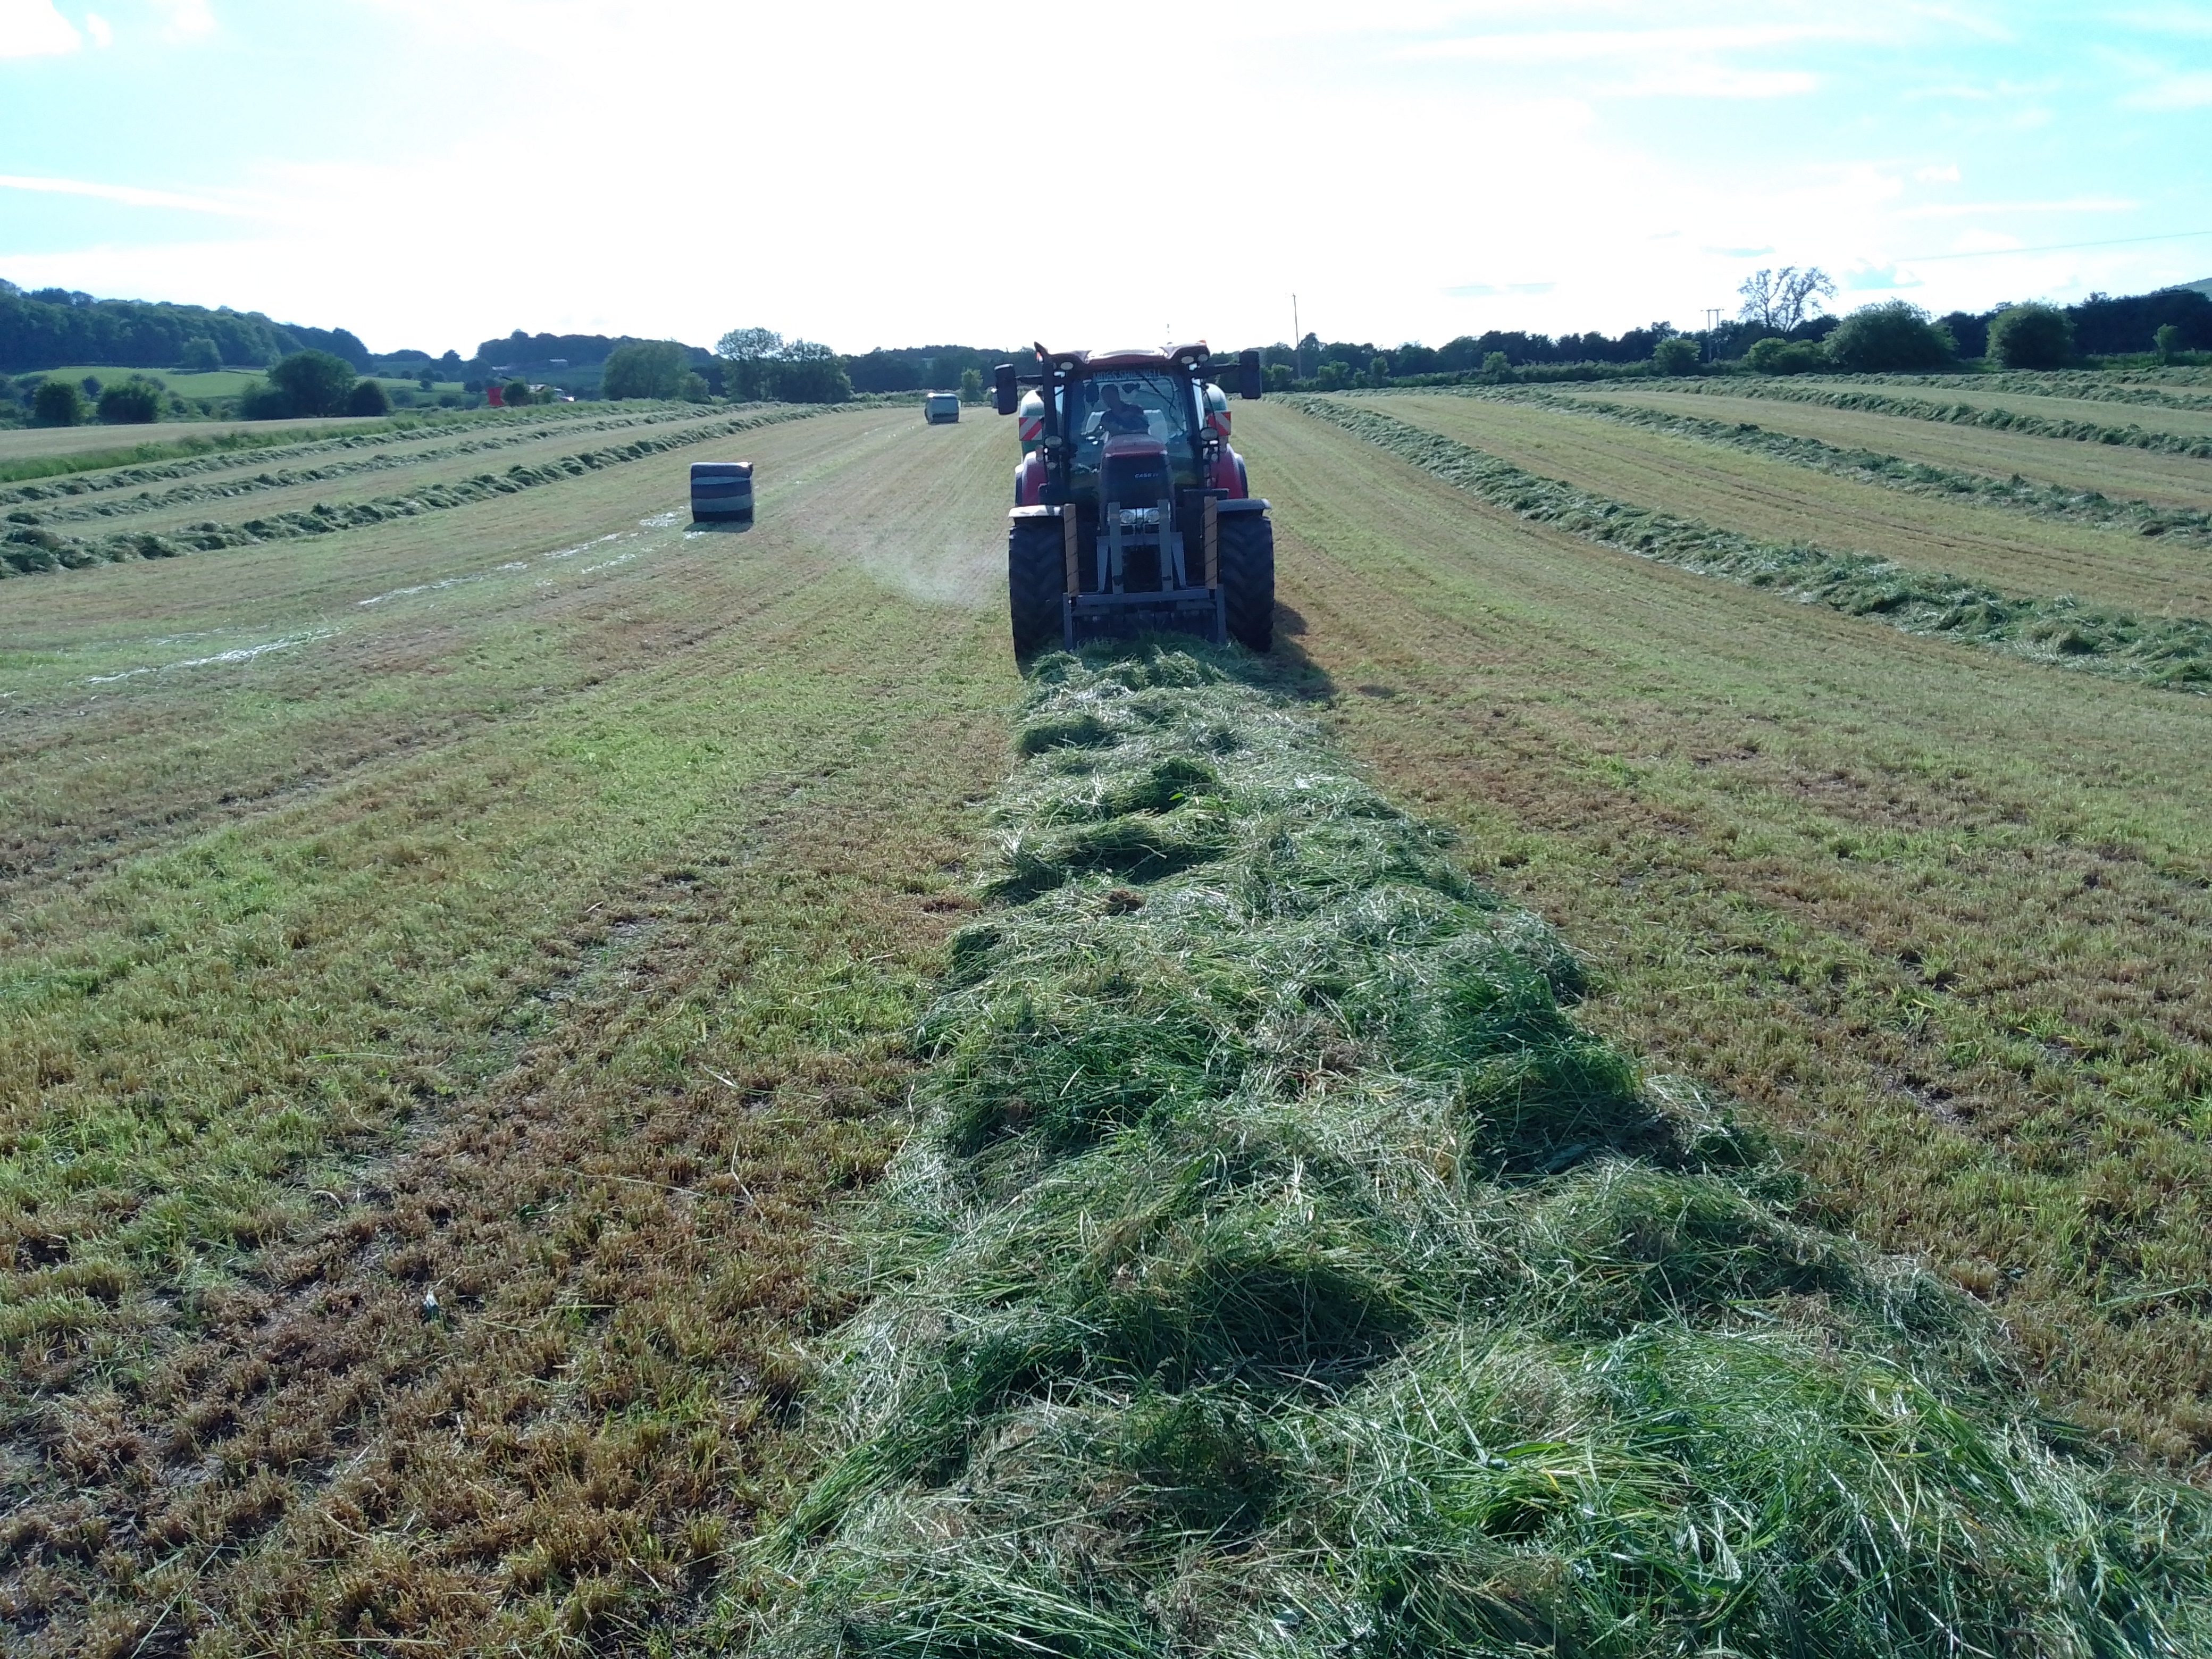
(1036, 581)
(1246, 550)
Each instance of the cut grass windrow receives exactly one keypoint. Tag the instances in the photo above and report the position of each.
(2170, 652)
(230, 487)
(219, 455)
(16, 469)
(2048, 500)
(27, 548)
(1279, 1268)
(2131, 436)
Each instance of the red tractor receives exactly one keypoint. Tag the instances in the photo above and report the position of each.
(1131, 513)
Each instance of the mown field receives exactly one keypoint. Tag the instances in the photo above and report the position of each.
(458, 974)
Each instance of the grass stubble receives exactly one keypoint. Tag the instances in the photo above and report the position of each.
(577, 1002)
(1279, 1268)
(2059, 629)
(1938, 917)
(550, 1464)
(30, 545)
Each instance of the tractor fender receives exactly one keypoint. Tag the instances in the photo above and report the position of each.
(1229, 474)
(1029, 479)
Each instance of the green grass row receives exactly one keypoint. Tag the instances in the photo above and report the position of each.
(152, 463)
(148, 454)
(226, 488)
(1867, 401)
(2160, 386)
(1279, 1268)
(29, 549)
(2169, 652)
(2048, 500)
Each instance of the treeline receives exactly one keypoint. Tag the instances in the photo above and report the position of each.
(2100, 325)
(49, 327)
(921, 369)
(578, 362)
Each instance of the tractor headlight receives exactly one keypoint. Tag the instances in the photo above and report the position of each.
(1140, 518)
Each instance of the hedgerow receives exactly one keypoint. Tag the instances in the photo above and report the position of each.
(2170, 652)
(1279, 1268)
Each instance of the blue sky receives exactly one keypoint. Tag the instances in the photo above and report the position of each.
(429, 173)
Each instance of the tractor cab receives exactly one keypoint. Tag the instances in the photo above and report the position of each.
(1128, 472)
(1163, 397)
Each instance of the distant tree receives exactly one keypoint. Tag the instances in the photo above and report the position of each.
(427, 379)
(2168, 339)
(808, 372)
(971, 385)
(57, 403)
(1894, 334)
(199, 356)
(133, 402)
(749, 353)
(1677, 354)
(367, 397)
(1497, 366)
(1775, 356)
(643, 369)
(1281, 377)
(1378, 371)
(1783, 299)
(91, 386)
(2032, 335)
(693, 387)
(1970, 330)
(749, 345)
(516, 394)
(263, 402)
(313, 382)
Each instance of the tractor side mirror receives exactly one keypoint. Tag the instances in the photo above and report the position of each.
(1004, 391)
(1247, 375)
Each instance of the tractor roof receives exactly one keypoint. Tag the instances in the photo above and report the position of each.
(1083, 362)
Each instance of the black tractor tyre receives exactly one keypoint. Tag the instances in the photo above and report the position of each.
(1245, 548)
(1037, 578)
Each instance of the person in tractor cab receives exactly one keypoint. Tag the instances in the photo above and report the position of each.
(1116, 415)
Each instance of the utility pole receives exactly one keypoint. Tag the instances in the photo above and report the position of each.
(1295, 335)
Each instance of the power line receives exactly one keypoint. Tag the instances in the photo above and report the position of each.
(2048, 247)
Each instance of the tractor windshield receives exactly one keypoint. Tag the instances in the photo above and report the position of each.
(1133, 401)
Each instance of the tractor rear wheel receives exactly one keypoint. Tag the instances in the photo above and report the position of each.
(1246, 552)
(1036, 580)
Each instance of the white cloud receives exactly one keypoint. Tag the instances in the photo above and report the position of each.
(33, 28)
(1590, 45)
(1879, 279)
(898, 172)
(98, 27)
(1961, 210)
(184, 20)
(129, 195)
(1490, 290)
(2191, 90)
